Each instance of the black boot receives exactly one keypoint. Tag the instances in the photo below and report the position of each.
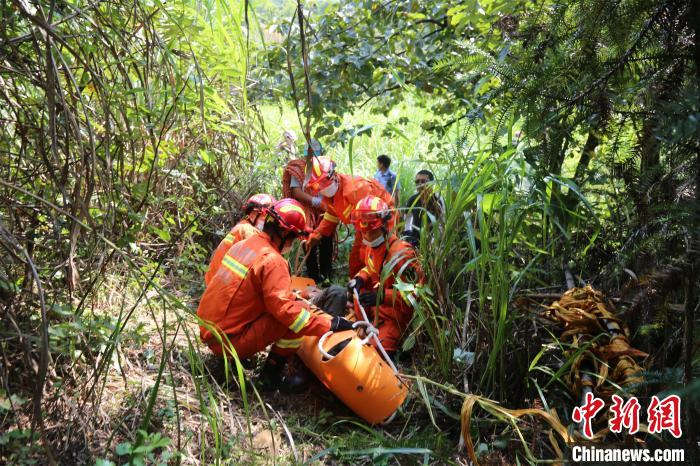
(272, 373)
(297, 378)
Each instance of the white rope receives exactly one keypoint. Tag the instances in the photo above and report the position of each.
(370, 330)
(388, 420)
(374, 334)
(321, 341)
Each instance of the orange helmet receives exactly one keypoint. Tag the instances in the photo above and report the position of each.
(370, 213)
(322, 171)
(258, 202)
(289, 215)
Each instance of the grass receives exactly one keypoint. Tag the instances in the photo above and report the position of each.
(159, 400)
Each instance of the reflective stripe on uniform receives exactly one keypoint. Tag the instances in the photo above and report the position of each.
(347, 211)
(370, 265)
(301, 321)
(234, 266)
(292, 343)
(330, 217)
(228, 239)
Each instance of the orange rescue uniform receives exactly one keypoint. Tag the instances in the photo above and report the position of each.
(249, 301)
(339, 208)
(394, 312)
(243, 229)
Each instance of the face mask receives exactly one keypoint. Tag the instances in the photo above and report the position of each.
(330, 190)
(375, 243)
(259, 222)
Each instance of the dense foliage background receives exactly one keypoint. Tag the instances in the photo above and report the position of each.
(565, 137)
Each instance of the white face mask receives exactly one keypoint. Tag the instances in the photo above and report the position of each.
(330, 190)
(259, 222)
(373, 244)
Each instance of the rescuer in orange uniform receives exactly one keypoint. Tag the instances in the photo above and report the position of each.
(342, 193)
(249, 305)
(388, 307)
(249, 225)
(319, 259)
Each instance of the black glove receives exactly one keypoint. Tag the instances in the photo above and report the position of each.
(368, 298)
(338, 324)
(355, 284)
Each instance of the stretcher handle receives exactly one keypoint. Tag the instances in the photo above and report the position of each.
(369, 330)
(321, 341)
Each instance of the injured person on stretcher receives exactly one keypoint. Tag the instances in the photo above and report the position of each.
(250, 303)
(382, 293)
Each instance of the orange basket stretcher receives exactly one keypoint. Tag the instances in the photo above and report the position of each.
(351, 368)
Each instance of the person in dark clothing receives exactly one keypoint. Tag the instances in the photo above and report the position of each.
(423, 206)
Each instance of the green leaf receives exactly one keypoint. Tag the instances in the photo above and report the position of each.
(103, 462)
(426, 399)
(206, 156)
(458, 18)
(123, 449)
(456, 9)
(416, 16)
(162, 234)
(409, 342)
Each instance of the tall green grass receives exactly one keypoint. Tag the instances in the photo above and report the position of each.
(499, 225)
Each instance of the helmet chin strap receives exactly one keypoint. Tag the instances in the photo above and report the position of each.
(280, 240)
(283, 239)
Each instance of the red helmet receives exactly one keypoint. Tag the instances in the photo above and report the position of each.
(370, 213)
(290, 216)
(258, 202)
(322, 171)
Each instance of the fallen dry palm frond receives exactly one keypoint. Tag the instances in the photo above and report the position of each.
(503, 414)
(511, 415)
(598, 343)
(589, 319)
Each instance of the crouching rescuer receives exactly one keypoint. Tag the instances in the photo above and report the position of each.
(389, 264)
(248, 304)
